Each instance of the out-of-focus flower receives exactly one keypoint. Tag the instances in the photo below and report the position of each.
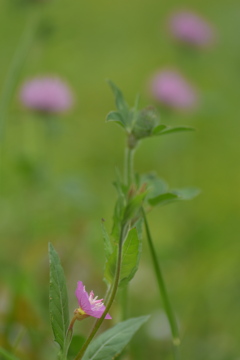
(46, 94)
(171, 89)
(88, 304)
(190, 28)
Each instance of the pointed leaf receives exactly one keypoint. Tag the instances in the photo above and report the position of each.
(187, 193)
(174, 195)
(158, 129)
(132, 250)
(58, 299)
(117, 117)
(111, 343)
(133, 206)
(155, 185)
(174, 129)
(6, 355)
(163, 199)
(121, 104)
(131, 254)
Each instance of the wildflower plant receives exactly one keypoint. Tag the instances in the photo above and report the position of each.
(46, 95)
(190, 28)
(173, 91)
(136, 196)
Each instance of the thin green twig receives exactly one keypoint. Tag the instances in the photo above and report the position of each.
(16, 66)
(128, 170)
(13, 74)
(163, 290)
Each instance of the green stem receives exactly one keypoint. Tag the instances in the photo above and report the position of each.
(68, 339)
(16, 66)
(129, 174)
(99, 322)
(163, 289)
(12, 75)
(129, 180)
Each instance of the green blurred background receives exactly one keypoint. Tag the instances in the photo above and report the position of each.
(56, 187)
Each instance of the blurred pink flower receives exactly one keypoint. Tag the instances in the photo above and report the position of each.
(46, 94)
(88, 304)
(171, 89)
(191, 28)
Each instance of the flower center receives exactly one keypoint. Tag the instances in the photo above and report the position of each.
(80, 311)
(95, 303)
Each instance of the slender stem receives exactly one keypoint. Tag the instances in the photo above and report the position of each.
(129, 174)
(71, 324)
(99, 322)
(15, 67)
(63, 355)
(129, 180)
(12, 76)
(163, 289)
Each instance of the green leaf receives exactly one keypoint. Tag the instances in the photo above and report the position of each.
(155, 185)
(174, 195)
(111, 343)
(187, 193)
(132, 249)
(7, 355)
(158, 129)
(133, 207)
(163, 199)
(58, 299)
(170, 130)
(131, 254)
(117, 117)
(121, 104)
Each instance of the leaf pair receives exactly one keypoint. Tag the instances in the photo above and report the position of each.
(139, 124)
(158, 192)
(131, 253)
(126, 215)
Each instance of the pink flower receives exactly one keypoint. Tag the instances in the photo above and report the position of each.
(171, 89)
(191, 28)
(88, 304)
(46, 94)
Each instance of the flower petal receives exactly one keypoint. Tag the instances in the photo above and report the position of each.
(98, 313)
(82, 297)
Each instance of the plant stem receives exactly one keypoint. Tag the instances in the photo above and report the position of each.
(128, 170)
(129, 180)
(163, 289)
(12, 75)
(15, 67)
(63, 355)
(99, 322)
